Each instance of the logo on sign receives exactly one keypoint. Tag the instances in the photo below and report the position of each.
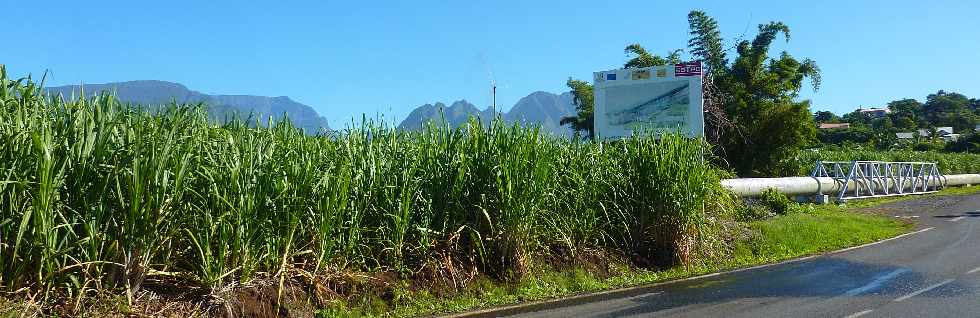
(640, 75)
(688, 69)
(611, 77)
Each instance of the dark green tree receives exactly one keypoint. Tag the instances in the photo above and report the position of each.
(706, 46)
(855, 134)
(857, 118)
(642, 58)
(949, 109)
(884, 124)
(966, 143)
(905, 113)
(583, 98)
(826, 117)
(706, 42)
(768, 123)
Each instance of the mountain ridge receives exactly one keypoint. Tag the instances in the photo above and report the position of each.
(539, 107)
(158, 92)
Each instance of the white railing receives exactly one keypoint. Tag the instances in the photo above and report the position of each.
(855, 179)
(865, 179)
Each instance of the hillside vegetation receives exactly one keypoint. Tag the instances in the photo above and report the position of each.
(942, 109)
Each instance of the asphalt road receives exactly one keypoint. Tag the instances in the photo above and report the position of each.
(933, 273)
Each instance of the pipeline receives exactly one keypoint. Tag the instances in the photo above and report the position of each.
(750, 187)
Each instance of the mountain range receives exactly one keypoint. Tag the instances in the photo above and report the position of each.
(150, 92)
(542, 108)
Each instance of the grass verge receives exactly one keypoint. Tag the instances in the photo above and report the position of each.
(818, 229)
(821, 230)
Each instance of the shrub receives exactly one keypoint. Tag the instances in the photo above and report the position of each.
(928, 146)
(966, 143)
(755, 211)
(775, 201)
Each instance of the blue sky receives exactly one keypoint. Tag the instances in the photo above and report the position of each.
(346, 58)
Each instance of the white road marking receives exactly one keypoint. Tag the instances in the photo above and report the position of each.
(869, 244)
(923, 290)
(974, 270)
(956, 219)
(859, 314)
(877, 282)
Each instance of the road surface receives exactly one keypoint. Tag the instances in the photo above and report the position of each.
(933, 273)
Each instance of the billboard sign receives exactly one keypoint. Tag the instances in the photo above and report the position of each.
(653, 99)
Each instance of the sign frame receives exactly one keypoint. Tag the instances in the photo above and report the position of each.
(661, 86)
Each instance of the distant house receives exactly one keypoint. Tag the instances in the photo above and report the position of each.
(834, 126)
(905, 135)
(976, 128)
(941, 131)
(874, 112)
(950, 137)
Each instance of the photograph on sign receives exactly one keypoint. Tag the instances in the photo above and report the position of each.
(638, 102)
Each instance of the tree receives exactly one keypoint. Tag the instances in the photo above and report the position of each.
(769, 125)
(966, 143)
(856, 117)
(883, 124)
(583, 98)
(642, 58)
(884, 140)
(855, 134)
(706, 42)
(933, 133)
(905, 113)
(825, 117)
(949, 109)
(705, 45)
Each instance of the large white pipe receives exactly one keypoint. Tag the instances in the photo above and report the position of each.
(749, 187)
(962, 179)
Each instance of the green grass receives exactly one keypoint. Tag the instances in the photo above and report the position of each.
(871, 202)
(825, 229)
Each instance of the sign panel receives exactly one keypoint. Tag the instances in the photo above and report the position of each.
(654, 99)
